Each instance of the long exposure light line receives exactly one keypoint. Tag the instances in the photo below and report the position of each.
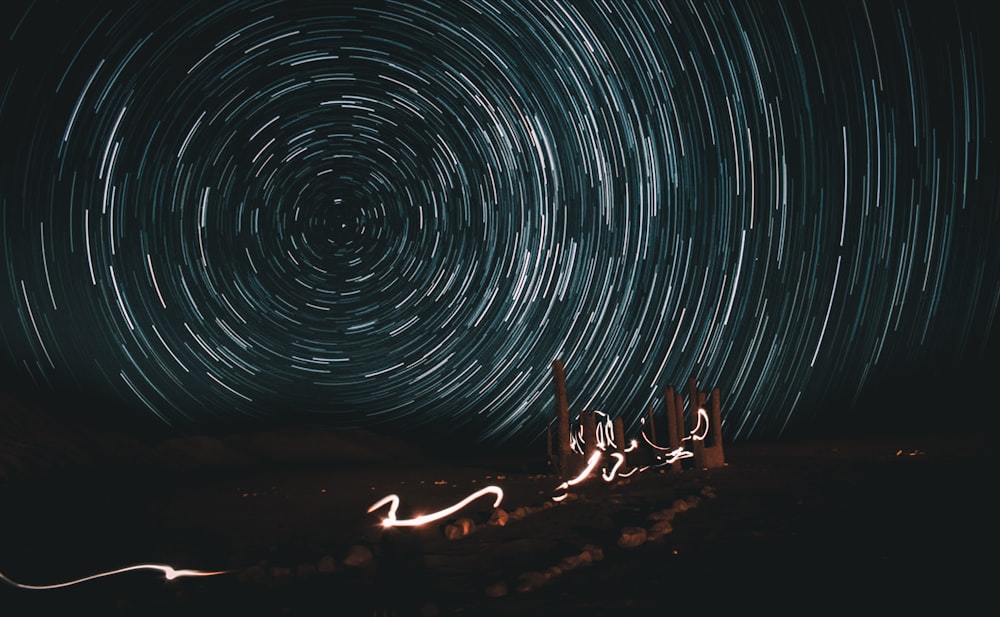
(168, 572)
(392, 501)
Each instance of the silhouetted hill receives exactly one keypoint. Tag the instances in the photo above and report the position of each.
(33, 441)
(36, 442)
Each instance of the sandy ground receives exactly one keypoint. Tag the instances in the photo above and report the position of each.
(888, 524)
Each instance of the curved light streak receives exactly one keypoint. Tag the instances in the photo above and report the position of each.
(392, 501)
(700, 431)
(168, 572)
(609, 475)
(580, 477)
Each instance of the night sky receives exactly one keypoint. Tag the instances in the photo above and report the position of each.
(396, 215)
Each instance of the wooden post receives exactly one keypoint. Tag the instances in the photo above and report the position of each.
(692, 399)
(619, 425)
(713, 454)
(589, 421)
(675, 419)
(675, 424)
(681, 427)
(715, 412)
(563, 454)
(698, 444)
(651, 421)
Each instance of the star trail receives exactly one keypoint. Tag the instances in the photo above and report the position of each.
(398, 214)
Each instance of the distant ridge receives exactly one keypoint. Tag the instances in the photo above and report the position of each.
(33, 441)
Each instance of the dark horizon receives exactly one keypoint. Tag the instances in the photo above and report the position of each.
(919, 401)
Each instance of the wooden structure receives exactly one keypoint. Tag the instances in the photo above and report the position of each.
(682, 433)
(561, 454)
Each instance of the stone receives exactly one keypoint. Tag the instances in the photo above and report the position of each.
(632, 537)
(658, 530)
(499, 517)
(497, 590)
(596, 552)
(666, 514)
(326, 564)
(358, 556)
(573, 562)
(279, 572)
(519, 513)
(530, 581)
(459, 529)
(253, 574)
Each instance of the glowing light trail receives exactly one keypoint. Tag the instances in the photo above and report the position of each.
(605, 438)
(390, 519)
(583, 475)
(700, 431)
(619, 461)
(168, 572)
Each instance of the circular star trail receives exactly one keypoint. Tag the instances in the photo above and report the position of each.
(398, 214)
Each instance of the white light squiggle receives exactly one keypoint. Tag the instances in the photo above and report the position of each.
(604, 430)
(605, 437)
(619, 461)
(390, 519)
(583, 475)
(700, 430)
(672, 455)
(168, 572)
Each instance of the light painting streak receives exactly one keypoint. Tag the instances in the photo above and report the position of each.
(169, 573)
(605, 438)
(583, 475)
(392, 501)
(608, 476)
(700, 431)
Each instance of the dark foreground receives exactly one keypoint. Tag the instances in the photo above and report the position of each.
(890, 524)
